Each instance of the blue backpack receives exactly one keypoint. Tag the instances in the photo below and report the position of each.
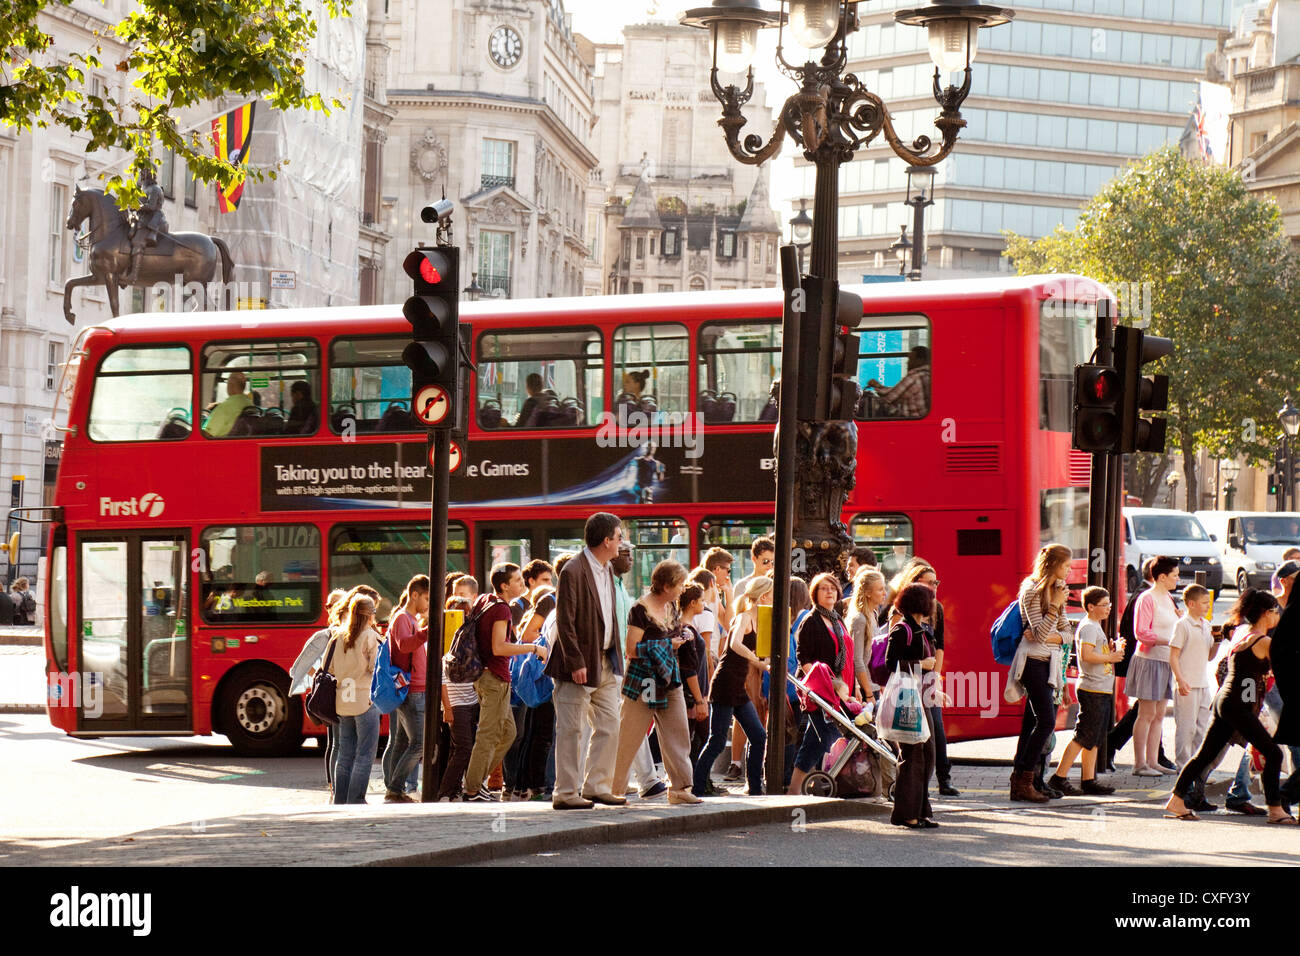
(1006, 633)
(528, 678)
(390, 684)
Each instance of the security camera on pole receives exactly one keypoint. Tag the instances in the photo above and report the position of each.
(436, 357)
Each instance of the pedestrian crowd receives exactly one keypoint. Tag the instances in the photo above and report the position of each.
(587, 690)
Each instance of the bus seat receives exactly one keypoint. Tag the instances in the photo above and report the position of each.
(341, 417)
(248, 423)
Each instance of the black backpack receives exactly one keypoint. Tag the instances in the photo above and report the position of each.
(463, 663)
(27, 607)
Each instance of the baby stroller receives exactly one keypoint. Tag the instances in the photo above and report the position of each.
(845, 772)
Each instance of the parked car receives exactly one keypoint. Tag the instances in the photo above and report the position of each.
(1151, 532)
(1251, 543)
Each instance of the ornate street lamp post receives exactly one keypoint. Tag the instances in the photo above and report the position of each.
(1289, 416)
(473, 291)
(831, 116)
(920, 194)
(1230, 471)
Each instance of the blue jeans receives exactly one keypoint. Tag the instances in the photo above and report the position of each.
(358, 738)
(719, 720)
(817, 739)
(1239, 792)
(405, 742)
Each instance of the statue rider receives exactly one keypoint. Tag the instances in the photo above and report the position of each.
(146, 224)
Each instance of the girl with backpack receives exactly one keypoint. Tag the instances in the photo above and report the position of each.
(1037, 668)
(24, 603)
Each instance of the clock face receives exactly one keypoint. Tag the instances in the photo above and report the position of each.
(505, 46)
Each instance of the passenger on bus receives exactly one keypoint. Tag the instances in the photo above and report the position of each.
(910, 398)
(223, 414)
(304, 417)
(533, 384)
(396, 418)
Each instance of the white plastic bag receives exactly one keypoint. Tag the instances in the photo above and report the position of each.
(902, 718)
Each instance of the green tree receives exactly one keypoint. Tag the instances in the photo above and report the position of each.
(180, 53)
(1207, 264)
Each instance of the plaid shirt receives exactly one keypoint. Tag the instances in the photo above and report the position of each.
(652, 673)
(910, 398)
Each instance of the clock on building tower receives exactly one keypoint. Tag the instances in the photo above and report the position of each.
(505, 47)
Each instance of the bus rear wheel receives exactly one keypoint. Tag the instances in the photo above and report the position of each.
(257, 713)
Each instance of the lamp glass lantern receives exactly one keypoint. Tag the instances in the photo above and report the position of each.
(953, 29)
(920, 183)
(901, 245)
(733, 26)
(1289, 416)
(801, 225)
(1231, 470)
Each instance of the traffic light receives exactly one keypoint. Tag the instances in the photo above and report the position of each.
(828, 386)
(1134, 349)
(1096, 409)
(434, 354)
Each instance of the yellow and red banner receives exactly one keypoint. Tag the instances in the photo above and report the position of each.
(232, 134)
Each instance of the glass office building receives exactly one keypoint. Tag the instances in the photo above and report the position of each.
(1061, 98)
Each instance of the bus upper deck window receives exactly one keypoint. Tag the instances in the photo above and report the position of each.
(894, 367)
(651, 368)
(739, 361)
(141, 395)
(260, 389)
(540, 379)
(370, 387)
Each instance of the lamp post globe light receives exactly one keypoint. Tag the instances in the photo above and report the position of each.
(801, 227)
(1230, 471)
(830, 116)
(900, 247)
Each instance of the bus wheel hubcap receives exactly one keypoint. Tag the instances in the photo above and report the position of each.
(258, 710)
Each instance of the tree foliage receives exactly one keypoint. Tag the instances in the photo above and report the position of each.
(1188, 249)
(179, 54)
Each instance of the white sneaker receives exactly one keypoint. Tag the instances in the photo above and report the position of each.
(1146, 772)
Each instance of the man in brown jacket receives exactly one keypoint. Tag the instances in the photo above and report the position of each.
(586, 664)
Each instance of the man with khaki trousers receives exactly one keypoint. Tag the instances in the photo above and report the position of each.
(586, 664)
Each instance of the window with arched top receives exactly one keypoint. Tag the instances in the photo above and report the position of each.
(697, 284)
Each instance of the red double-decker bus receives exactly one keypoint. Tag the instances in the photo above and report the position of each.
(223, 471)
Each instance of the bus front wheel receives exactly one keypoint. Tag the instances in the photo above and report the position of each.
(257, 713)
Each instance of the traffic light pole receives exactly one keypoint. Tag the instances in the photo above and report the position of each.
(787, 428)
(441, 442)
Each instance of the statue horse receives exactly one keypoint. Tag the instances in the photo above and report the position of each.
(191, 255)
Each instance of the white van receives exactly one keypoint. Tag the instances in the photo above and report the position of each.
(1152, 532)
(1251, 543)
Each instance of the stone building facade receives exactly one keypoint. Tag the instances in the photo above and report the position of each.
(493, 107)
(672, 210)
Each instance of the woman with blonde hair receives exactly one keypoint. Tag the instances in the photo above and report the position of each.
(869, 592)
(728, 694)
(1037, 663)
(353, 663)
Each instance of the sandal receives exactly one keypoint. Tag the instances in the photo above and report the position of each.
(1284, 819)
(1185, 815)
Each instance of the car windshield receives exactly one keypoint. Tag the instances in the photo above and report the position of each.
(1168, 528)
(1272, 530)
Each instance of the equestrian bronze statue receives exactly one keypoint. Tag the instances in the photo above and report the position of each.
(139, 250)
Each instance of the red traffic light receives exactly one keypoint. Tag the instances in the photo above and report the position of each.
(430, 266)
(1102, 385)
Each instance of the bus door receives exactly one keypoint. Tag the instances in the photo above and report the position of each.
(133, 644)
(519, 544)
